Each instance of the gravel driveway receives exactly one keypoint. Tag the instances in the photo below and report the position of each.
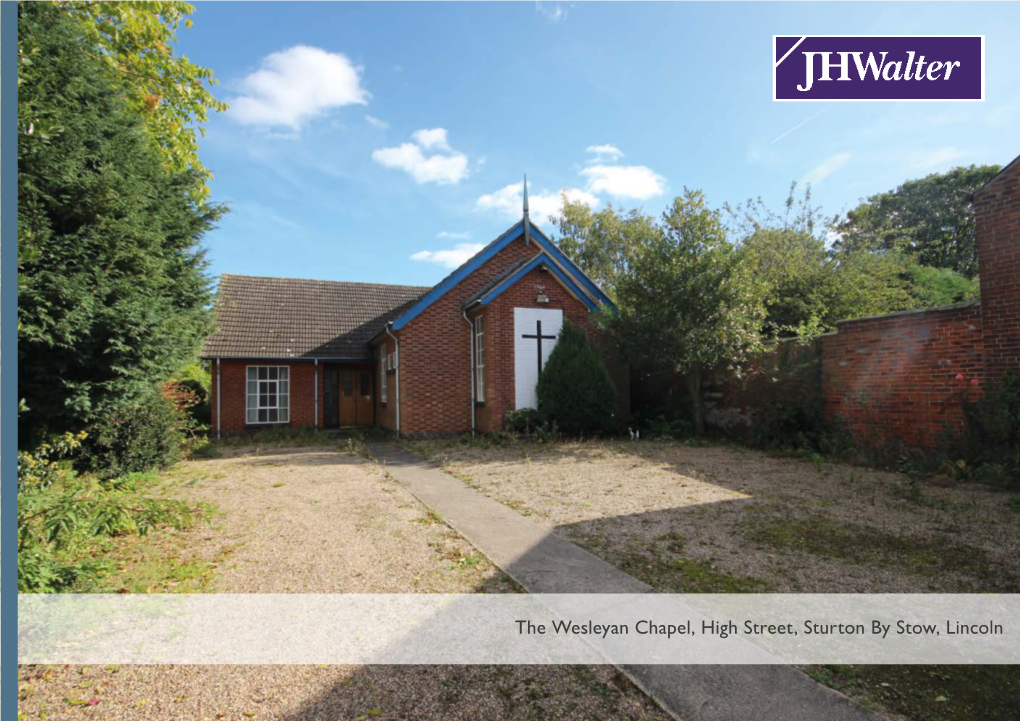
(315, 520)
(715, 518)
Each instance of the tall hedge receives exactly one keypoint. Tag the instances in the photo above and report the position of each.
(112, 291)
(574, 388)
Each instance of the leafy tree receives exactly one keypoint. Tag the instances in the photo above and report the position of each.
(574, 389)
(689, 300)
(856, 283)
(600, 243)
(812, 286)
(788, 255)
(111, 284)
(136, 40)
(930, 219)
(931, 287)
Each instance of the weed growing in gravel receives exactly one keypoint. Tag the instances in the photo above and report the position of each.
(430, 518)
(933, 693)
(868, 546)
(663, 566)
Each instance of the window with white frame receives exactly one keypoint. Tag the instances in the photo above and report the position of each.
(382, 374)
(480, 359)
(268, 394)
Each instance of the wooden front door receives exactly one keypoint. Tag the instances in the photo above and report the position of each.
(357, 407)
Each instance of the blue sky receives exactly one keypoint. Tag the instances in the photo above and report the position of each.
(379, 142)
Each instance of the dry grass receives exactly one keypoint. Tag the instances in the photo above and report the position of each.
(716, 518)
(316, 520)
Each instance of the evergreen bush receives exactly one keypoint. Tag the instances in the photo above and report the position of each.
(142, 436)
(574, 389)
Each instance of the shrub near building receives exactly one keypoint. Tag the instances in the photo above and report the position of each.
(574, 389)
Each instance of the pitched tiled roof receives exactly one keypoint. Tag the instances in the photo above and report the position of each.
(260, 317)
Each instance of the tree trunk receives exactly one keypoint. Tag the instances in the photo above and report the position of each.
(697, 402)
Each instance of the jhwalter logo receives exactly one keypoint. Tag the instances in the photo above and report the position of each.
(878, 67)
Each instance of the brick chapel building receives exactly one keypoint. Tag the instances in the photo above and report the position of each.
(451, 358)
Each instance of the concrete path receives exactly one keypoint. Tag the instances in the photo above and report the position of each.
(542, 562)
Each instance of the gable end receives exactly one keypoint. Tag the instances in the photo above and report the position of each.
(590, 293)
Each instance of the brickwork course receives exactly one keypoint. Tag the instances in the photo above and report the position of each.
(316, 327)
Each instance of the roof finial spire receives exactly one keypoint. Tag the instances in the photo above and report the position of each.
(527, 220)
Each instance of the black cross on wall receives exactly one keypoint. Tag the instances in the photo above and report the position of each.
(538, 339)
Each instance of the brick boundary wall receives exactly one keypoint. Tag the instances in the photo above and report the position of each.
(997, 214)
(891, 379)
(896, 378)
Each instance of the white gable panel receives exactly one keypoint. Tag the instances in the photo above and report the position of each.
(526, 366)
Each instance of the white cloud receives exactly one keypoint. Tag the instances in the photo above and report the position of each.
(454, 235)
(372, 120)
(826, 168)
(604, 152)
(930, 159)
(554, 11)
(543, 207)
(431, 139)
(295, 85)
(444, 168)
(451, 258)
(635, 182)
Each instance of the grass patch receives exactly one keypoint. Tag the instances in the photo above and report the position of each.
(663, 566)
(204, 449)
(431, 518)
(154, 563)
(519, 506)
(929, 693)
(867, 546)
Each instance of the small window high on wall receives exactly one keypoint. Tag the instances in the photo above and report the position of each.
(268, 394)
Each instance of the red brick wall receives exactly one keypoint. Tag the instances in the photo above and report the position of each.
(435, 395)
(997, 212)
(232, 381)
(894, 377)
(434, 358)
(789, 372)
(891, 379)
(499, 339)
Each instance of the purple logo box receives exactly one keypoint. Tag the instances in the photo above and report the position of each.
(878, 67)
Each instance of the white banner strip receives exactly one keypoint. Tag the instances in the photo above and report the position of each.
(519, 629)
